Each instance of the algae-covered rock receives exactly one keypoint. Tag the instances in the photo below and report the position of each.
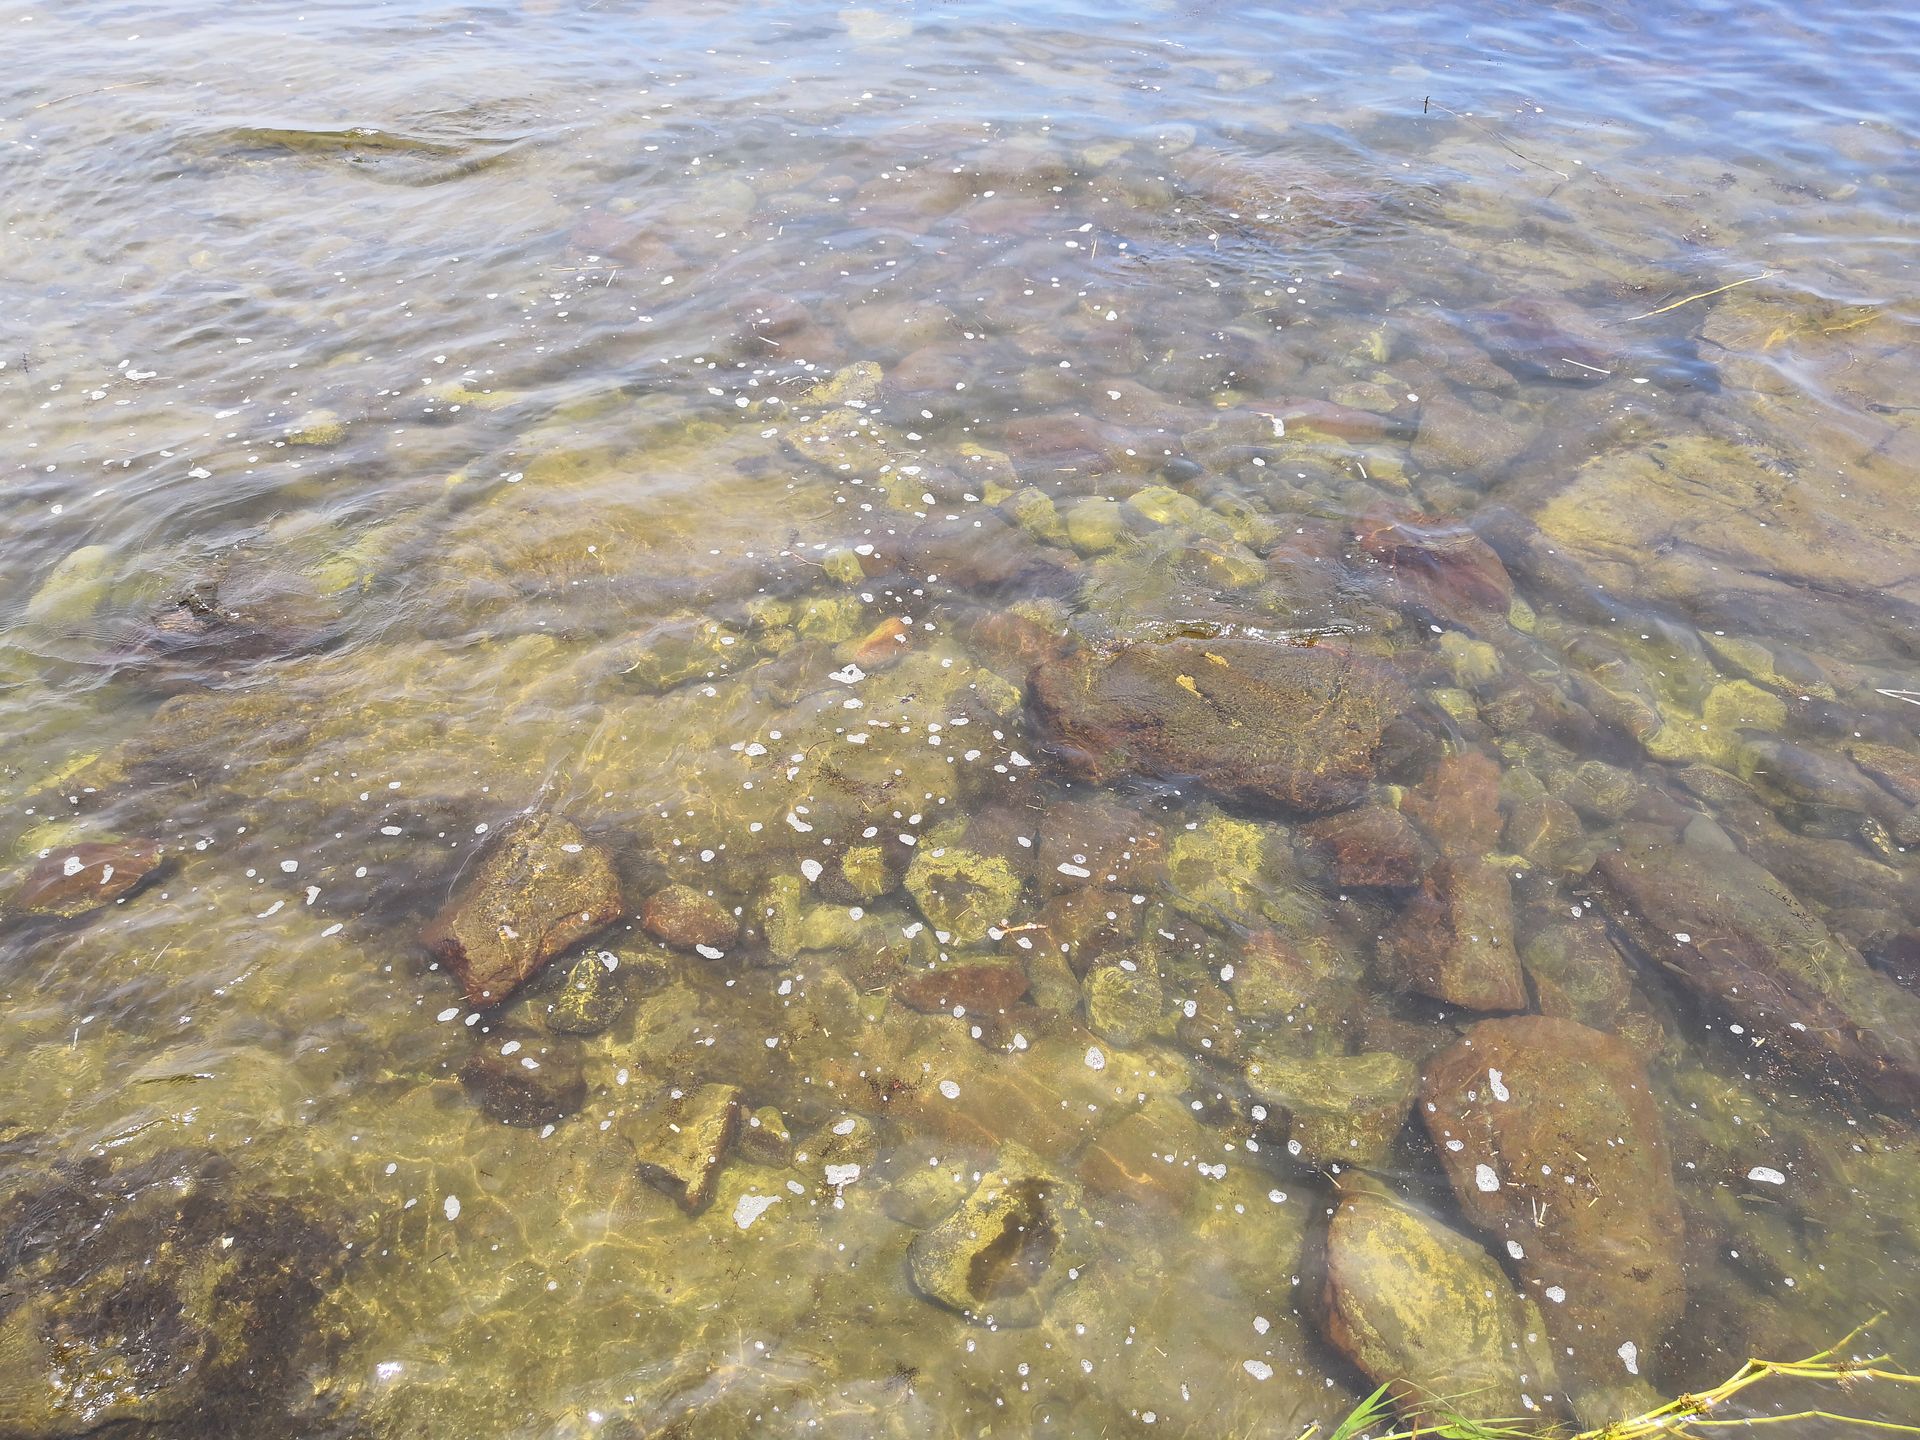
(74, 588)
(1293, 726)
(1124, 1002)
(765, 1137)
(1740, 941)
(319, 429)
(683, 1140)
(542, 887)
(519, 1078)
(74, 879)
(158, 1298)
(1550, 1136)
(1006, 1250)
(961, 892)
(1414, 1304)
(687, 919)
(1340, 1109)
(594, 996)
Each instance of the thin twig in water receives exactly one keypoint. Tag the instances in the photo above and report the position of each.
(1703, 295)
(82, 94)
(1492, 135)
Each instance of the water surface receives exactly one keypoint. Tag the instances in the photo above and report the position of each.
(704, 424)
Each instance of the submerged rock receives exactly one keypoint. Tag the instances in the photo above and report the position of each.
(1454, 941)
(684, 1140)
(976, 986)
(158, 1298)
(541, 888)
(1373, 845)
(518, 1078)
(1743, 944)
(1339, 1109)
(1005, 1250)
(686, 919)
(1550, 1136)
(1124, 1002)
(1417, 1305)
(74, 879)
(960, 892)
(593, 998)
(1294, 726)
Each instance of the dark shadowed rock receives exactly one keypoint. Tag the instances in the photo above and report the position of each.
(159, 1299)
(540, 888)
(1544, 340)
(1006, 1249)
(1550, 1136)
(74, 879)
(520, 1078)
(684, 918)
(1739, 940)
(1293, 726)
(1415, 1304)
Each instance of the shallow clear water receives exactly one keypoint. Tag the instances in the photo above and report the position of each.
(713, 425)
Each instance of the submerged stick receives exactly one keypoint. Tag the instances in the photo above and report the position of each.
(1720, 290)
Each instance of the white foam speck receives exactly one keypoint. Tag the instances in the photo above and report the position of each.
(1766, 1175)
(1497, 1082)
(949, 1089)
(1485, 1180)
(750, 1208)
(1629, 1354)
(1096, 1058)
(452, 1207)
(1259, 1369)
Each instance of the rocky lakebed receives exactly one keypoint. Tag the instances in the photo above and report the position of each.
(1074, 775)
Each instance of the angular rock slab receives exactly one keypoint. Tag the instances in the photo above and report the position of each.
(1415, 1304)
(1550, 1137)
(1297, 727)
(1454, 941)
(1740, 941)
(685, 1140)
(1006, 1249)
(541, 888)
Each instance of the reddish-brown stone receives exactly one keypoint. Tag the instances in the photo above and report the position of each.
(541, 888)
(683, 917)
(974, 985)
(77, 878)
(1550, 1136)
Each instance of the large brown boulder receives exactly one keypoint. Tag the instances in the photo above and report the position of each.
(1740, 941)
(1414, 1304)
(1550, 1137)
(1294, 726)
(541, 888)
